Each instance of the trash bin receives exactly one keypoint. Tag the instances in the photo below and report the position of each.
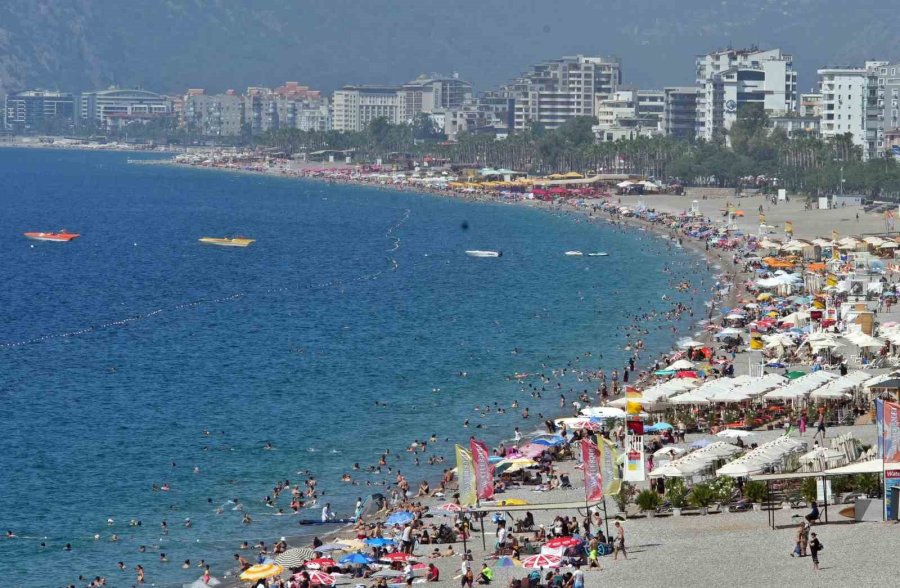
(894, 499)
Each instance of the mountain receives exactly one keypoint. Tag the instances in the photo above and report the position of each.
(171, 45)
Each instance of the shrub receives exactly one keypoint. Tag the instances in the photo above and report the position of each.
(809, 490)
(869, 484)
(755, 491)
(676, 492)
(647, 500)
(723, 487)
(702, 495)
(626, 492)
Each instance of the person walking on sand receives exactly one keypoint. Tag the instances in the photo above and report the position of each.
(619, 543)
(815, 546)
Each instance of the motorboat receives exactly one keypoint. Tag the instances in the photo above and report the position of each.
(227, 241)
(598, 254)
(574, 253)
(62, 236)
(483, 253)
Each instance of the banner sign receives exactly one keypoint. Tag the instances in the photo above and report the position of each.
(593, 479)
(891, 479)
(465, 469)
(879, 428)
(634, 459)
(609, 467)
(484, 471)
(891, 432)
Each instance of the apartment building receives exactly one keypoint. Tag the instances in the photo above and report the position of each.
(214, 115)
(679, 119)
(850, 105)
(26, 111)
(730, 79)
(117, 106)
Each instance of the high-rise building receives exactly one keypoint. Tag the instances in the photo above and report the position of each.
(887, 107)
(553, 92)
(433, 93)
(214, 115)
(811, 104)
(733, 78)
(290, 106)
(354, 107)
(850, 104)
(679, 118)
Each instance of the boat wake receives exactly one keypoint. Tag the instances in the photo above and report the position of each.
(393, 265)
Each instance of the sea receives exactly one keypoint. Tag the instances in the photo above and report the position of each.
(135, 357)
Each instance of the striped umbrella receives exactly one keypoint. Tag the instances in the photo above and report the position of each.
(541, 561)
(321, 562)
(450, 507)
(294, 558)
(261, 571)
(397, 556)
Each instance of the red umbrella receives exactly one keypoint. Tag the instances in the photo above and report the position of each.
(450, 507)
(397, 556)
(585, 424)
(686, 374)
(316, 577)
(541, 561)
(321, 562)
(564, 542)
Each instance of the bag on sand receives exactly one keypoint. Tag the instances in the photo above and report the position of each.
(797, 549)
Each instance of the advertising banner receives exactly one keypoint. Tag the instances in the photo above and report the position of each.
(593, 479)
(609, 470)
(465, 469)
(484, 471)
(891, 432)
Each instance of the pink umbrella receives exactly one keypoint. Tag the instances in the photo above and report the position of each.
(585, 424)
(450, 507)
(541, 561)
(564, 542)
(321, 562)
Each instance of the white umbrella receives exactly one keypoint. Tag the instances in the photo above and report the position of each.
(603, 412)
(669, 450)
(734, 434)
(681, 364)
(667, 471)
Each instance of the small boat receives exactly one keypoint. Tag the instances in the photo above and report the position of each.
(574, 253)
(598, 254)
(227, 241)
(481, 253)
(62, 236)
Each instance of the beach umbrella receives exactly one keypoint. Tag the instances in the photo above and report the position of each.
(700, 443)
(603, 412)
(450, 507)
(687, 374)
(586, 424)
(379, 542)
(541, 561)
(294, 558)
(669, 450)
(793, 375)
(397, 556)
(321, 562)
(549, 440)
(317, 577)
(261, 572)
(734, 434)
(513, 502)
(563, 542)
(507, 562)
(356, 558)
(400, 518)
(199, 583)
(681, 364)
(661, 426)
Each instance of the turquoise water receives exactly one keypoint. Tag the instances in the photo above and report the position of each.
(121, 348)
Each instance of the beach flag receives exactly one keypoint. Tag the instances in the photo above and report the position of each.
(879, 427)
(465, 469)
(484, 471)
(593, 479)
(609, 467)
(633, 399)
(890, 431)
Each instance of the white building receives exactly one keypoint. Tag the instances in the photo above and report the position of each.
(116, 106)
(849, 104)
(733, 78)
(553, 92)
(354, 107)
(886, 106)
(214, 115)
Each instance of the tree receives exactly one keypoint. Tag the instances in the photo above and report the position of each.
(577, 132)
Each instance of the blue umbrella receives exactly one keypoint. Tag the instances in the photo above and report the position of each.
(379, 542)
(356, 558)
(400, 518)
(660, 427)
(775, 364)
(549, 440)
(700, 443)
(495, 458)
